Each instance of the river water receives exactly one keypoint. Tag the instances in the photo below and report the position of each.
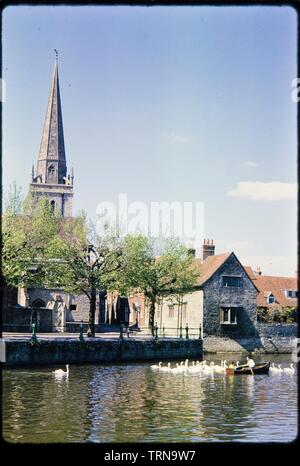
(132, 403)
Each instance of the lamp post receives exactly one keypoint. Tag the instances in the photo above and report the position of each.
(33, 338)
(81, 338)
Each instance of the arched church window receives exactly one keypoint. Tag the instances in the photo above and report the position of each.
(51, 169)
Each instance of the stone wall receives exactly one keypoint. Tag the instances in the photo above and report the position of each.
(217, 296)
(270, 338)
(277, 330)
(72, 351)
(22, 317)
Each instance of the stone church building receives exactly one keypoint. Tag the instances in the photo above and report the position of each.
(55, 309)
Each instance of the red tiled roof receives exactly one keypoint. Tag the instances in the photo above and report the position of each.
(267, 284)
(210, 266)
(249, 272)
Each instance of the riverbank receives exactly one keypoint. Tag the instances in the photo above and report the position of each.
(22, 352)
(261, 345)
(269, 339)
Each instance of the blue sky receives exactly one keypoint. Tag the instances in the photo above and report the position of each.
(165, 104)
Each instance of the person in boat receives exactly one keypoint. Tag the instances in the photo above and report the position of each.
(250, 363)
(231, 365)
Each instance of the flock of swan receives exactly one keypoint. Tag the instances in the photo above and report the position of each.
(196, 367)
(211, 368)
(279, 370)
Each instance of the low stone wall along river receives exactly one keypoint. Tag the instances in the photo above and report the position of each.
(65, 350)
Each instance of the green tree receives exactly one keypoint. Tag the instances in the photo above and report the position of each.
(169, 274)
(26, 232)
(81, 263)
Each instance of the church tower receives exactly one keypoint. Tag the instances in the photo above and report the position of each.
(50, 178)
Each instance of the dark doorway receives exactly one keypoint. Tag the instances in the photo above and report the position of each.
(122, 311)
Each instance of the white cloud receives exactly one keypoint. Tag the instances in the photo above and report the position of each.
(261, 191)
(177, 138)
(248, 163)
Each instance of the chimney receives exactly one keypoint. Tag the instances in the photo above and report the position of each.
(207, 249)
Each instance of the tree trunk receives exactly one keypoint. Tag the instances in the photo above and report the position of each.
(92, 312)
(152, 315)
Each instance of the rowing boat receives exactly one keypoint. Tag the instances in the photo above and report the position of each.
(262, 368)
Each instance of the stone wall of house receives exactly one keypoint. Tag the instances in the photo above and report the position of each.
(279, 344)
(217, 296)
(270, 338)
(277, 330)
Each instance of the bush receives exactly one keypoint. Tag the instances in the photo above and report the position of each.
(286, 315)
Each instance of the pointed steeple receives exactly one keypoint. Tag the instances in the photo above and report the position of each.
(51, 179)
(51, 167)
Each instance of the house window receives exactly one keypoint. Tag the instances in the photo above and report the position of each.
(73, 307)
(171, 311)
(231, 281)
(291, 293)
(271, 299)
(228, 315)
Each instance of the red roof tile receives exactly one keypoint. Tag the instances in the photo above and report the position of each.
(210, 266)
(267, 284)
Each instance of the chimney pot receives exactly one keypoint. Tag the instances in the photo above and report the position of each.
(208, 249)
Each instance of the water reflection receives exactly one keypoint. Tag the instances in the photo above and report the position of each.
(131, 403)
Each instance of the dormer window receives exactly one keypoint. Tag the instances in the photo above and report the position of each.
(271, 299)
(291, 293)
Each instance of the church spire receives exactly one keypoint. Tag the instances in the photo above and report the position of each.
(51, 179)
(51, 167)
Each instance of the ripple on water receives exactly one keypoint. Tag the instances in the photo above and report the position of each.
(131, 403)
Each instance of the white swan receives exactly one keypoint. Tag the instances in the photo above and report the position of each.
(224, 366)
(206, 369)
(166, 368)
(61, 372)
(156, 366)
(218, 367)
(195, 367)
(280, 368)
(289, 370)
(273, 369)
(177, 368)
